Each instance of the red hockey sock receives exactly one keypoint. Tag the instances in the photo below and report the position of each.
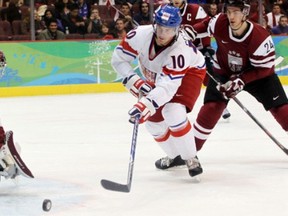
(281, 115)
(207, 118)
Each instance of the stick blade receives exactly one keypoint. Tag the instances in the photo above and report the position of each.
(114, 186)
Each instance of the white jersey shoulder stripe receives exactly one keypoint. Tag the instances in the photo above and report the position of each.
(262, 61)
(212, 23)
(126, 51)
(267, 46)
(201, 14)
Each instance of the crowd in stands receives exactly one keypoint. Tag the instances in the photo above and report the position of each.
(110, 19)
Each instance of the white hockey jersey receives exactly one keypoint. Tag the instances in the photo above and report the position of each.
(165, 69)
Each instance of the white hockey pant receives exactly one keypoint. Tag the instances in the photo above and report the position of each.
(174, 135)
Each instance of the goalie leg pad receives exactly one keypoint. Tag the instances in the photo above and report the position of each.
(7, 165)
(15, 156)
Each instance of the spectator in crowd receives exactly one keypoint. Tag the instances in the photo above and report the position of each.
(103, 2)
(61, 12)
(105, 33)
(84, 9)
(282, 27)
(94, 22)
(143, 17)
(25, 24)
(62, 9)
(213, 9)
(274, 15)
(51, 33)
(41, 10)
(283, 5)
(38, 22)
(126, 15)
(120, 29)
(39, 3)
(67, 5)
(256, 18)
(48, 15)
(74, 23)
(129, 2)
(12, 12)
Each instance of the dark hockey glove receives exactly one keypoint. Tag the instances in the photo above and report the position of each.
(189, 32)
(208, 51)
(143, 110)
(135, 85)
(231, 88)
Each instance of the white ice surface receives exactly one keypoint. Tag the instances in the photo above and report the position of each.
(72, 142)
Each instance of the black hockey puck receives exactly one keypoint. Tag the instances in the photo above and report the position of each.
(47, 204)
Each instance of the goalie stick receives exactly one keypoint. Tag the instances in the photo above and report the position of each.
(114, 186)
(22, 168)
(285, 150)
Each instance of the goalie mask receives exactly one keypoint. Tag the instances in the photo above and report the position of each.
(243, 5)
(2, 63)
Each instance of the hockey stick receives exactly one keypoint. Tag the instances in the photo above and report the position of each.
(114, 186)
(285, 150)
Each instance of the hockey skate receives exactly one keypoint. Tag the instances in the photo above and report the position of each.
(194, 166)
(166, 162)
(11, 164)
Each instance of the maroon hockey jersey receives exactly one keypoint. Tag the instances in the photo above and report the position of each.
(252, 56)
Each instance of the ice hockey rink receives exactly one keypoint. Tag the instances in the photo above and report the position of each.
(71, 142)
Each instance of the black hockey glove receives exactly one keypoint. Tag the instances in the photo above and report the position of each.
(208, 51)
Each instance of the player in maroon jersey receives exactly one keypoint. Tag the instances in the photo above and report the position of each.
(192, 14)
(244, 60)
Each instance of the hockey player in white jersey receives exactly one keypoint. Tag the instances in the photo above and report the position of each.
(173, 71)
(11, 164)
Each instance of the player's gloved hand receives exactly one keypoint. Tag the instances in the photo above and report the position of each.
(143, 110)
(135, 85)
(231, 88)
(208, 51)
(189, 31)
